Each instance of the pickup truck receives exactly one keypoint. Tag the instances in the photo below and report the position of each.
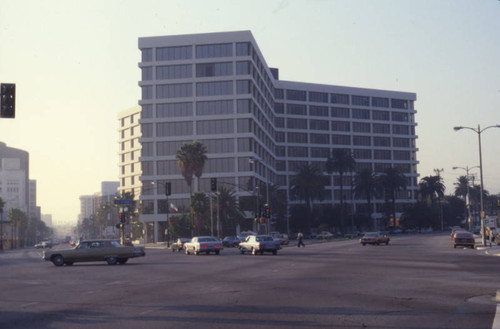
(205, 244)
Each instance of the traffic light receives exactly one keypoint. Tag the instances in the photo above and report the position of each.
(168, 188)
(8, 100)
(122, 217)
(267, 211)
(213, 184)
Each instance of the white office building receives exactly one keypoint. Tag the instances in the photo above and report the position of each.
(217, 88)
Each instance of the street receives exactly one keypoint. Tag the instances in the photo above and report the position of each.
(417, 281)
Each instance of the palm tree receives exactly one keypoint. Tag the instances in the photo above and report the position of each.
(365, 184)
(432, 187)
(199, 159)
(462, 190)
(391, 181)
(308, 185)
(200, 206)
(2, 204)
(340, 161)
(229, 210)
(18, 220)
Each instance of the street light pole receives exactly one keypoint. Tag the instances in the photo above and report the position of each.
(478, 131)
(467, 201)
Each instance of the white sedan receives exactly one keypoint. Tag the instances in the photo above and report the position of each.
(259, 244)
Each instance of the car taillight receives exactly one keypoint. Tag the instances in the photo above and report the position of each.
(203, 247)
(218, 246)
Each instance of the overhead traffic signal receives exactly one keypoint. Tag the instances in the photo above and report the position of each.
(213, 184)
(8, 100)
(122, 217)
(267, 211)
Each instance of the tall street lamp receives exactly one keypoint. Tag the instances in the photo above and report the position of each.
(467, 193)
(478, 131)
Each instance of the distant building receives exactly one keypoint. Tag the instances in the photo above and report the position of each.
(217, 88)
(47, 219)
(14, 178)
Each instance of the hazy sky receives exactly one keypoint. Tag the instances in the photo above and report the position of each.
(75, 67)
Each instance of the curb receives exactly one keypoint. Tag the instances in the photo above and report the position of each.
(496, 320)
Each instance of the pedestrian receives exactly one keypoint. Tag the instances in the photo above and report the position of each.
(300, 237)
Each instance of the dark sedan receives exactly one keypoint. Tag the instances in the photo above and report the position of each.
(465, 239)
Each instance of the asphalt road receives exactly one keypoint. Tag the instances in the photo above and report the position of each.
(415, 282)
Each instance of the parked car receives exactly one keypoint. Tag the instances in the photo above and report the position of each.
(259, 244)
(376, 238)
(94, 250)
(179, 244)
(43, 245)
(280, 237)
(231, 241)
(206, 244)
(463, 238)
(324, 235)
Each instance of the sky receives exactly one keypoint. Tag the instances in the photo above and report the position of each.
(75, 65)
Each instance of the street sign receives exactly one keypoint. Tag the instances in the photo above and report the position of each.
(123, 201)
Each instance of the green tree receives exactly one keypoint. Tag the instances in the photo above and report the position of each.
(432, 187)
(308, 185)
(103, 213)
(341, 162)
(2, 204)
(200, 206)
(19, 222)
(392, 181)
(191, 158)
(365, 185)
(229, 210)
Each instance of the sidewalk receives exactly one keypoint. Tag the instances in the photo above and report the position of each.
(493, 250)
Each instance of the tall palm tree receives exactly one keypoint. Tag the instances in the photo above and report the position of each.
(2, 204)
(462, 187)
(229, 210)
(462, 190)
(18, 221)
(199, 159)
(365, 184)
(392, 181)
(340, 161)
(200, 206)
(432, 187)
(308, 185)
(191, 158)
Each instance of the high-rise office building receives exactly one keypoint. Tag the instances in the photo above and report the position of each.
(217, 88)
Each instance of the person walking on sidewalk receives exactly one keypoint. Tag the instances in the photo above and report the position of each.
(300, 237)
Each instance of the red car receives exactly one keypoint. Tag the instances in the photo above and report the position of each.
(465, 239)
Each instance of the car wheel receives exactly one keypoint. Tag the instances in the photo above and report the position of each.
(122, 261)
(454, 246)
(196, 252)
(364, 244)
(58, 260)
(173, 250)
(208, 252)
(111, 260)
(387, 243)
(186, 252)
(242, 251)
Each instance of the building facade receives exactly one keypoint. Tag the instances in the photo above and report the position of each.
(217, 88)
